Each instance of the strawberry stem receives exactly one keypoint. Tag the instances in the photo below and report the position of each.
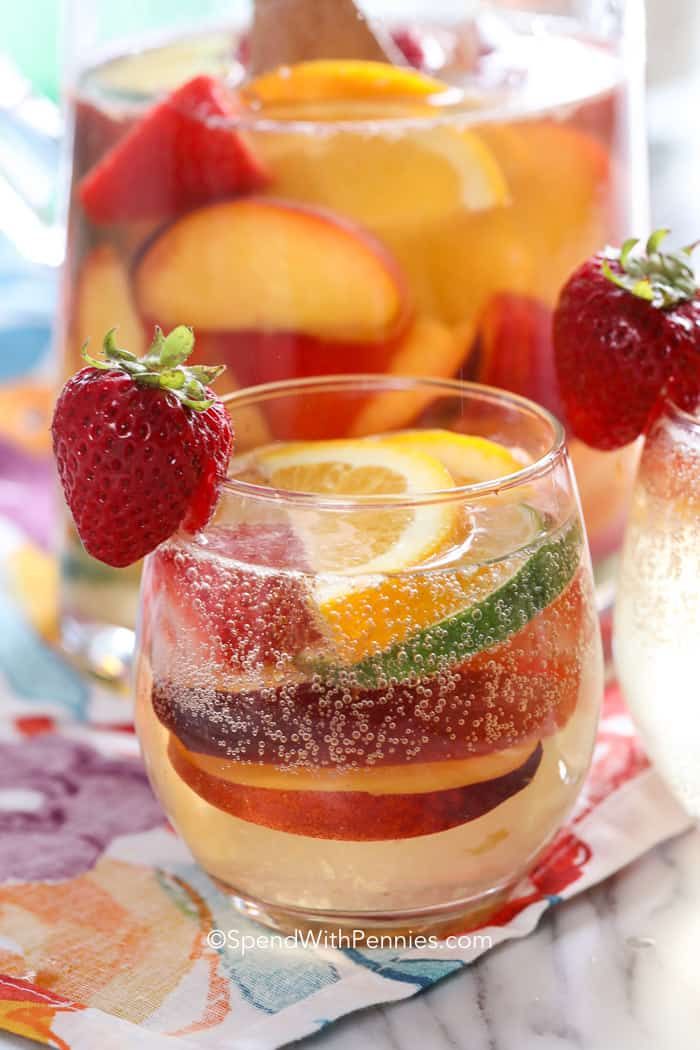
(162, 366)
(663, 279)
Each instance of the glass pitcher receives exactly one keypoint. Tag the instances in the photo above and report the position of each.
(342, 218)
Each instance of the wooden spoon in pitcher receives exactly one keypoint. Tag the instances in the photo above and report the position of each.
(285, 32)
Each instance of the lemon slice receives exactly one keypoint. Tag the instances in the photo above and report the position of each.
(469, 458)
(403, 181)
(336, 79)
(376, 539)
(368, 620)
(474, 460)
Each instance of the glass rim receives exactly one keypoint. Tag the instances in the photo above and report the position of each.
(253, 396)
(455, 105)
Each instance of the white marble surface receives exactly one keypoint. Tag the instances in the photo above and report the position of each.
(617, 968)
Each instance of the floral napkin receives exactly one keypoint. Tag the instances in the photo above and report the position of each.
(111, 936)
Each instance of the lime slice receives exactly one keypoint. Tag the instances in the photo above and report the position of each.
(536, 577)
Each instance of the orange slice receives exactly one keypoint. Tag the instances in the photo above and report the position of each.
(337, 79)
(376, 539)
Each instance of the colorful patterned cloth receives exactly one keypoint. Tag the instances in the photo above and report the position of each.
(105, 919)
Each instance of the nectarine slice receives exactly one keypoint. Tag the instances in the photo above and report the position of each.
(103, 301)
(429, 348)
(272, 265)
(403, 779)
(354, 815)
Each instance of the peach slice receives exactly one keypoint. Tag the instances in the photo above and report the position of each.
(354, 815)
(378, 780)
(559, 179)
(272, 265)
(429, 348)
(605, 482)
(103, 301)
(337, 79)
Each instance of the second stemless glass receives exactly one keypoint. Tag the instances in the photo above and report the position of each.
(383, 749)
(435, 232)
(657, 612)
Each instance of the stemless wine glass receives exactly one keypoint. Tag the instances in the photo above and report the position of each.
(367, 693)
(434, 220)
(657, 613)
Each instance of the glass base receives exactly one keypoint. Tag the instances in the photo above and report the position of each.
(102, 650)
(341, 929)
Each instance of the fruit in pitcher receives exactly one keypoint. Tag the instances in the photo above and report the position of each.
(515, 349)
(387, 182)
(266, 264)
(141, 446)
(354, 815)
(103, 301)
(427, 348)
(268, 357)
(411, 46)
(180, 154)
(522, 248)
(329, 80)
(562, 176)
(96, 131)
(627, 328)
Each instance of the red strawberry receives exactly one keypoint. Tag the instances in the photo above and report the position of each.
(515, 344)
(219, 605)
(180, 154)
(141, 447)
(626, 330)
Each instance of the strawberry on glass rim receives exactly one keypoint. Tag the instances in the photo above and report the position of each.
(142, 445)
(627, 332)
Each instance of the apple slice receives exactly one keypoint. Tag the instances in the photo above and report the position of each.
(272, 265)
(103, 301)
(429, 348)
(356, 816)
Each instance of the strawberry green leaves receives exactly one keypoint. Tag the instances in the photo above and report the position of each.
(663, 279)
(162, 366)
